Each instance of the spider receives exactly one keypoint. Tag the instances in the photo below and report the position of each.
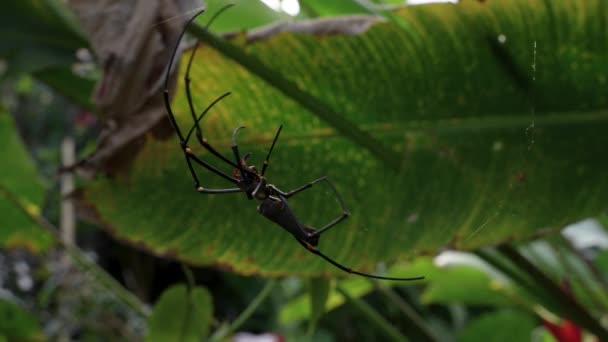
(273, 203)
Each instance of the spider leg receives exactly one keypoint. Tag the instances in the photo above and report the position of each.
(198, 186)
(270, 151)
(297, 190)
(183, 142)
(187, 81)
(313, 250)
(204, 142)
(235, 149)
(339, 219)
(196, 126)
(168, 72)
(191, 157)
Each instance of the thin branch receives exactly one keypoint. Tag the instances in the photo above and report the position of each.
(374, 317)
(601, 280)
(519, 278)
(189, 277)
(407, 311)
(577, 275)
(221, 334)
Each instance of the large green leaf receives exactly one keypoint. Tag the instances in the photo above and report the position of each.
(20, 186)
(489, 123)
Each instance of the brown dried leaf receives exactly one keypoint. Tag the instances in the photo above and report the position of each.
(133, 41)
(347, 25)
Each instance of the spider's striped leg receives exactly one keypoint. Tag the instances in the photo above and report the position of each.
(190, 157)
(200, 189)
(183, 142)
(340, 218)
(206, 145)
(266, 161)
(235, 148)
(196, 125)
(297, 190)
(337, 220)
(199, 134)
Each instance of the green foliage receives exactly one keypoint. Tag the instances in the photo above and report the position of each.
(19, 181)
(332, 8)
(487, 122)
(505, 325)
(39, 37)
(181, 315)
(484, 153)
(601, 262)
(65, 82)
(16, 324)
(36, 34)
(474, 288)
(299, 308)
(464, 125)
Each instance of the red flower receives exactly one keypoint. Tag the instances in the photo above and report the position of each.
(565, 331)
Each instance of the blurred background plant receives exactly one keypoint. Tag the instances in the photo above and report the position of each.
(476, 131)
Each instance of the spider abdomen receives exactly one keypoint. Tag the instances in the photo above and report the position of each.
(278, 211)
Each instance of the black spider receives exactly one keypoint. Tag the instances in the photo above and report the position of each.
(247, 179)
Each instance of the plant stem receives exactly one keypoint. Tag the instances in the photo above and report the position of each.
(373, 316)
(580, 276)
(407, 310)
(80, 259)
(570, 308)
(520, 279)
(221, 334)
(594, 271)
(189, 277)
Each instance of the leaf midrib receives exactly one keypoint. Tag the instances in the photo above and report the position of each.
(456, 125)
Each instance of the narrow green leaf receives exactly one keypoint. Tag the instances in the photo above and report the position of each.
(181, 315)
(20, 180)
(298, 308)
(65, 82)
(227, 330)
(319, 292)
(601, 262)
(374, 317)
(554, 296)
